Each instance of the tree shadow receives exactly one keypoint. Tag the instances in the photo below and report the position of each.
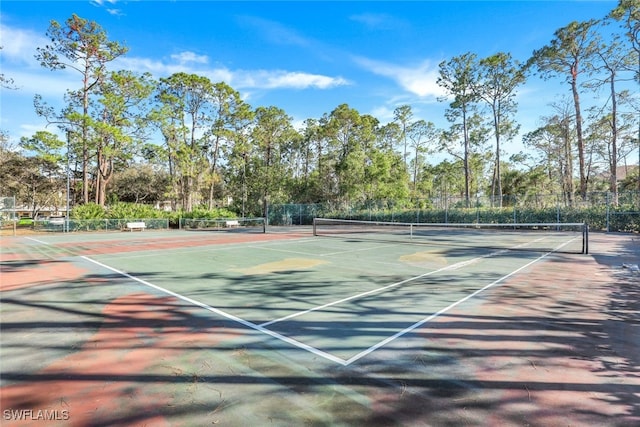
(542, 348)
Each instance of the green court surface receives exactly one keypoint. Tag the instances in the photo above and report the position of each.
(351, 329)
(344, 288)
(336, 296)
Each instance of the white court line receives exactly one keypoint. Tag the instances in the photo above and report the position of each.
(268, 243)
(449, 307)
(226, 315)
(282, 250)
(318, 352)
(370, 248)
(38, 241)
(61, 249)
(384, 288)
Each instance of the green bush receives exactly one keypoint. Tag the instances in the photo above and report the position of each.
(202, 213)
(25, 222)
(88, 211)
(133, 211)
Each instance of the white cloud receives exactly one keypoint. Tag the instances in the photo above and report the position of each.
(296, 80)
(383, 113)
(186, 62)
(19, 46)
(190, 57)
(19, 64)
(420, 80)
(105, 3)
(179, 63)
(115, 12)
(144, 65)
(219, 75)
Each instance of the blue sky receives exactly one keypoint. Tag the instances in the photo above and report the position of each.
(304, 57)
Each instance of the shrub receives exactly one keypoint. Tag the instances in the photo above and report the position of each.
(88, 211)
(202, 213)
(133, 211)
(25, 221)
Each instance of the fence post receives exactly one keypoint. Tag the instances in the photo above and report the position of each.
(608, 210)
(446, 209)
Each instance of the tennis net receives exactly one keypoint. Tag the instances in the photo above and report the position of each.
(252, 225)
(539, 237)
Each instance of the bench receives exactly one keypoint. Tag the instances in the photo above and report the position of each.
(56, 221)
(232, 223)
(136, 226)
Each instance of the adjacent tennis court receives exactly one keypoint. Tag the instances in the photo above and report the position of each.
(347, 323)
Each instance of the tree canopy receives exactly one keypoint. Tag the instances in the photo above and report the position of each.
(191, 142)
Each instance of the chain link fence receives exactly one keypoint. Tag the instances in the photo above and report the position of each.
(601, 210)
(79, 225)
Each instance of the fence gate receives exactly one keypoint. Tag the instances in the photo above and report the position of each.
(8, 218)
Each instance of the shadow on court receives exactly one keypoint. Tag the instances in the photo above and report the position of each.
(557, 344)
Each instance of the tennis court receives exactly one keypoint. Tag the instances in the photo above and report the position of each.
(346, 324)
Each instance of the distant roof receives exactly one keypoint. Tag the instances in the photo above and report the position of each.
(623, 171)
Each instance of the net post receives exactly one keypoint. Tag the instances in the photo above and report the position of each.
(315, 233)
(410, 231)
(264, 225)
(585, 238)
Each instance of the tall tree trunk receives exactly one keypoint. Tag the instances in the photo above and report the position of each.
(498, 173)
(614, 143)
(265, 200)
(568, 169)
(415, 171)
(576, 103)
(85, 136)
(467, 150)
(212, 171)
